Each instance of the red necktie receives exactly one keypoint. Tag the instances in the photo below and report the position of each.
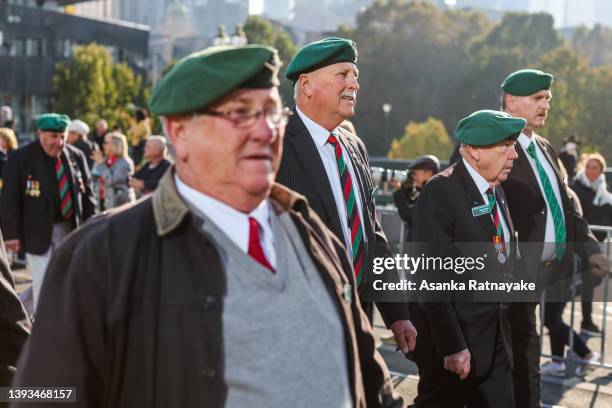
(354, 221)
(255, 249)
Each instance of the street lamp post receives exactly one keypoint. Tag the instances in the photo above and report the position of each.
(387, 110)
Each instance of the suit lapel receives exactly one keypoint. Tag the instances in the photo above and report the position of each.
(46, 182)
(308, 156)
(553, 164)
(474, 198)
(73, 181)
(501, 201)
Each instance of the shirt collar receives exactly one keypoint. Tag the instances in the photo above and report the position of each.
(525, 140)
(319, 133)
(233, 222)
(482, 184)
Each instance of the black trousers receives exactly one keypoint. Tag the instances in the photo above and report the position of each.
(559, 331)
(589, 282)
(526, 350)
(440, 388)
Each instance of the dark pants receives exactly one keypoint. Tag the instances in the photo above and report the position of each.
(559, 331)
(440, 388)
(589, 282)
(526, 350)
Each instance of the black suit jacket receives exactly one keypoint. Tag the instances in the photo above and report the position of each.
(29, 216)
(444, 226)
(528, 208)
(302, 170)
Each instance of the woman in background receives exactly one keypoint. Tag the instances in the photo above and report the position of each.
(113, 170)
(8, 142)
(596, 200)
(138, 134)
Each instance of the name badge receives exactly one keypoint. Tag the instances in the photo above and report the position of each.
(481, 210)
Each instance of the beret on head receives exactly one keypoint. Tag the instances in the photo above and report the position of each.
(204, 77)
(319, 54)
(527, 82)
(488, 127)
(52, 122)
(79, 127)
(427, 162)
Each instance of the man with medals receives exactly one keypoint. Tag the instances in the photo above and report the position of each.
(463, 350)
(47, 194)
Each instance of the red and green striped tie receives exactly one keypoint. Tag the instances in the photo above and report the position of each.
(354, 221)
(64, 189)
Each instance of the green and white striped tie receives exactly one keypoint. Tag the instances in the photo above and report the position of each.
(553, 204)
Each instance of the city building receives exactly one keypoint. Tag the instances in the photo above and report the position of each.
(35, 35)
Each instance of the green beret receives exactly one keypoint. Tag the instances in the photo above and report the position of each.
(488, 127)
(52, 122)
(206, 76)
(527, 82)
(320, 54)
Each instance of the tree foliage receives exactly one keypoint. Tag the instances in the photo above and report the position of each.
(261, 31)
(428, 62)
(429, 136)
(595, 44)
(90, 85)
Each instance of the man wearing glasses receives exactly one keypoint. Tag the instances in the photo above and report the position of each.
(221, 289)
(329, 166)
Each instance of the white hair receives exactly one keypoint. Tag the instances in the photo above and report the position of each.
(78, 126)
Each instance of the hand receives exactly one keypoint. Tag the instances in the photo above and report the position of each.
(599, 264)
(137, 184)
(12, 245)
(97, 156)
(395, 185)
(458, 363)
(405, 335)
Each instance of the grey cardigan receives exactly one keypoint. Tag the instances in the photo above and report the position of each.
(116, 180)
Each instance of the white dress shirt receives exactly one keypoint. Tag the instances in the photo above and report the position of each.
(483, 185)
(548, 252)
(328, 156)
(234, 223)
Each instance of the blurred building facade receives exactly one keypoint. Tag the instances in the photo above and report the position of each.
(35, 35)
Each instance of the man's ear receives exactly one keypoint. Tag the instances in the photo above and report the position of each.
(473, 152)
(305, 84)
(174, 128)
(509, 103)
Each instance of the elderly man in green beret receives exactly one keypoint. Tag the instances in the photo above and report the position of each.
(543, 216)
(47, 193)
(329, 166)
(463, 349)
(222, 288)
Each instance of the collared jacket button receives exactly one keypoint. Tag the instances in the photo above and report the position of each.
(209, 302)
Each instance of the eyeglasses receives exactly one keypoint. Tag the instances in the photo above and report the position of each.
(245, 117)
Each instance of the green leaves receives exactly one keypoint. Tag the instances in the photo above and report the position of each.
(429, 137)
(90, 85)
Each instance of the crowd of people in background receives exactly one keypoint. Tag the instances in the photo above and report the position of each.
(114, 170)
